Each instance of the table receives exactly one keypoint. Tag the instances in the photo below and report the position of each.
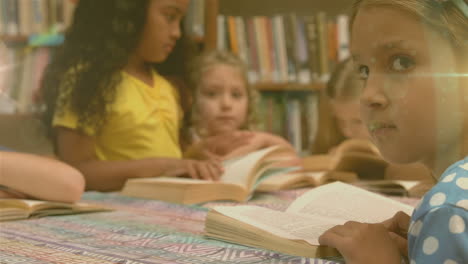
(138, 232)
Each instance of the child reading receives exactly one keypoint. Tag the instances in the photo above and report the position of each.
(224, 102)
(412, 56)
(32, 177)
(114, 116)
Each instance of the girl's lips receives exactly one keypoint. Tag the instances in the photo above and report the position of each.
(225, 118)
(378, 125)
(379, 128)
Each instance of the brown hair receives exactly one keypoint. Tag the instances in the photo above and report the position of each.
(344, 83)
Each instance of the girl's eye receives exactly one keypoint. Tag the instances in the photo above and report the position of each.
(237, 95)
(401, 63)
(171, 17)
(209, 93)
(363, 72)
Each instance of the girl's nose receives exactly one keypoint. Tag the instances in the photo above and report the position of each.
(176, 31)
(226, 101)
(373, 95)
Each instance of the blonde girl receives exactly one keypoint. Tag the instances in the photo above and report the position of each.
(224, 103)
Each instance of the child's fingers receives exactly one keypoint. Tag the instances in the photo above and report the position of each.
(398, 224)
(402, 243)
(217, 165)
(204, 171)
(213, 170)
(191, 170)
(331, 238)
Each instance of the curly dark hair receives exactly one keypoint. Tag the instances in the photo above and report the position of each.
(84, 71)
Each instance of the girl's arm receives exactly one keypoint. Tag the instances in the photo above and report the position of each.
(259, 140)
(40, 178)
(79, 150)
(217, 146)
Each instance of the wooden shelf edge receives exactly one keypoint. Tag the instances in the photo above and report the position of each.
(14, 38)
(288, 87)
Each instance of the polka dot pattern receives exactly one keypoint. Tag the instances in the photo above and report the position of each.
(463, 183)
(437, 199)
(449, 177)
(464, 166)
(463, 204)
(416, 228)
(456, 224)
(439, 225)
(430, 246)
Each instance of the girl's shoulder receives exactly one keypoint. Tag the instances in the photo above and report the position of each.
(450, 191)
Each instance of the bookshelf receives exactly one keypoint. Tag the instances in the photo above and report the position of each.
(327, 134)
(249, 8)
(209, 12)
(291, 87)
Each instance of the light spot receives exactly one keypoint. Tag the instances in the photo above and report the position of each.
(463, 204)
(437, 199)
(456, 224)
(449, 261)
(431, 244)
(416, 228)
(463, 183)
(449, 177)
(412, 261)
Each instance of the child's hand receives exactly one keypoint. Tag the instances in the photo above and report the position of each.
(361, 243)
(204, 170)
(398, 227)
(196, 169)
(215, 147)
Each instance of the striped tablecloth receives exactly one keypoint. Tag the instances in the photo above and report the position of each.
(138, 231)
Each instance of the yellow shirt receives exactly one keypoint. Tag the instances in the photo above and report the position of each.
(143, 121)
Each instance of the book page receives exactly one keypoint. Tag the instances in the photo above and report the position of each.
(14, 203)
(383, 184)
(291, 180)
(408, 184)
(239, 171)
(343, 201)
(7, 214)
(286, 225)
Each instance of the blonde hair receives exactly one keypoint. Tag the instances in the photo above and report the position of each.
(344, 84)
(206, 61)
(446, 17)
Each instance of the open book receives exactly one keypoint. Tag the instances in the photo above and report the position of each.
(298, 179)
(240, 178)
(354, 155)
(17, 209)
(296, 230)
(396, 187)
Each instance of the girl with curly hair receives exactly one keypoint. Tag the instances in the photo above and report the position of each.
(111, 112)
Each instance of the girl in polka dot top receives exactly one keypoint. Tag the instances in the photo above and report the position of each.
(412, 57)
